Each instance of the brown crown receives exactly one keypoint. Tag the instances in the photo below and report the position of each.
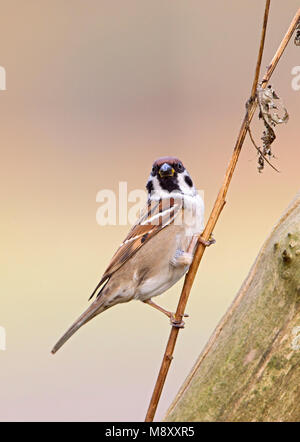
(169, 160)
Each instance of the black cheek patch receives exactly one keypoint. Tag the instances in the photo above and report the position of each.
(149, 186)
(188, 181)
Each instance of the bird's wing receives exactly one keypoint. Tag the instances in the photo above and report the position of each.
(156, 216)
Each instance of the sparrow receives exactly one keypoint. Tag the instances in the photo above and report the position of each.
(158, 249)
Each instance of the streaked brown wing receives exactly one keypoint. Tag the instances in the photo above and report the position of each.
(156, 216)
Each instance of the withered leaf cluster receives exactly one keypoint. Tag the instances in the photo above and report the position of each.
(272, 112)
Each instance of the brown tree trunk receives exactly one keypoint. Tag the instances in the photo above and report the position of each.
(250, 368)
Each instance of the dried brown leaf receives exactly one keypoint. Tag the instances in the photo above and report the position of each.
(273, 112)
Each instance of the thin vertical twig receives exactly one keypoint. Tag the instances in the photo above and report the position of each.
(261, 50)
(219, 204)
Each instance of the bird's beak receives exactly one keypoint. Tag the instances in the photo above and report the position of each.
(166, 170)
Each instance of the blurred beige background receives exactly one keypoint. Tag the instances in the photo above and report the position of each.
(96, 90)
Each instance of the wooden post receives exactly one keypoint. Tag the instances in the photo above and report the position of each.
(250, 368)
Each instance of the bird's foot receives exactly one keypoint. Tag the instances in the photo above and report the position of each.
(207, 243)
(177, 323)
(174, 322)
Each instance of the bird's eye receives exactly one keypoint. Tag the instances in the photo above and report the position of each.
(179, 167)
(154, 170)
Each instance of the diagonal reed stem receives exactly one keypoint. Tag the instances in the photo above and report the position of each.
(219, 204)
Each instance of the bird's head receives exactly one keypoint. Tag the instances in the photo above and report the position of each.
(169, 175)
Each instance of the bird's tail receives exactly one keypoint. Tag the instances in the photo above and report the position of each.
(95, 308)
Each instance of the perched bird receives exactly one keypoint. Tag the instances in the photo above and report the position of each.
(158, 249)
